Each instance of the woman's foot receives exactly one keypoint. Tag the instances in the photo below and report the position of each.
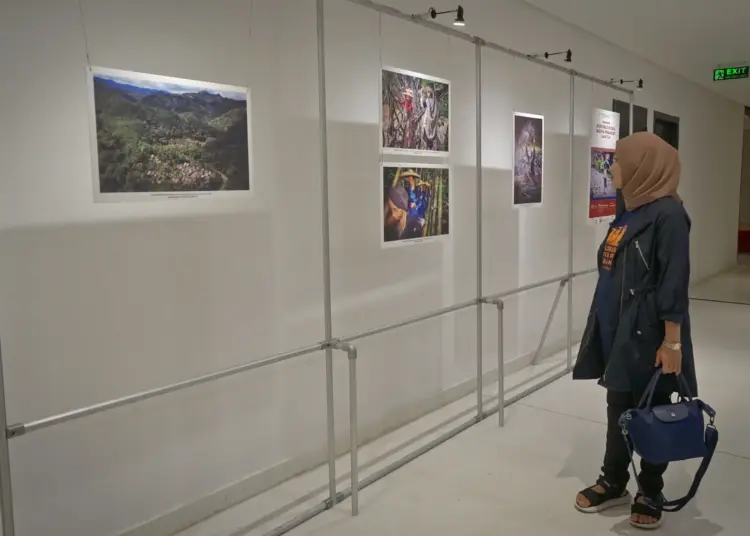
(600, 497)
(644, 516)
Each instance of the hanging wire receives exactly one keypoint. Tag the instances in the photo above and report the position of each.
(381, 134)
(85, 36)
(592, 104)
(250, 37)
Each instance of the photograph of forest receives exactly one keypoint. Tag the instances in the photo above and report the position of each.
(416, 113)
(528, 159)
(158, 135)
(416, 202)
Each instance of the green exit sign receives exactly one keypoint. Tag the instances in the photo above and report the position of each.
(731, 73)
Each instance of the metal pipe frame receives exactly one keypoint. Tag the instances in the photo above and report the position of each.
(351, 353)
(344, 344)
(421, 21)
(492, 298)
(550, 317)
(498, 301)
(326, 235)
(410, 321)
(571, 210)
(480, 256)
(20, 429)
(500, 304)
(6, 488)
(499, 408)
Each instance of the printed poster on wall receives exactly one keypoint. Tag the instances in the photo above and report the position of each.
(164, 137)
(602, 193)
(416, 203)
(415, 112)
(528, 159)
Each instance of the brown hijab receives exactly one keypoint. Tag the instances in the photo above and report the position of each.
(649, 169)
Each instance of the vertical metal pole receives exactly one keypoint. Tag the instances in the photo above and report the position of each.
(631, 127)
(353, 428)
(480, 335)
(6, 490)
(571, 219)
(323, 133)
(500, 364)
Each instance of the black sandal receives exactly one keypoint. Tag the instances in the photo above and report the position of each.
(598, 502)
(645, 509)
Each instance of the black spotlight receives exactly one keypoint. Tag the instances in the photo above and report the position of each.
(638, 83)
(459, 11)
(547, 55)
(459, 21)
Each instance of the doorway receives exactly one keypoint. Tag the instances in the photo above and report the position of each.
(667, 127)
(640, 117)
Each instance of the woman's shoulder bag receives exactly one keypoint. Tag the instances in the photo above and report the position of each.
(671, 433)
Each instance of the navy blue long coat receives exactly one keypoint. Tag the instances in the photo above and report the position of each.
(651, 268)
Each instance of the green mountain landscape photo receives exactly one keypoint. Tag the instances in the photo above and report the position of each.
(156, 136)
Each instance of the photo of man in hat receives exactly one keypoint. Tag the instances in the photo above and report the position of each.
(416, 202)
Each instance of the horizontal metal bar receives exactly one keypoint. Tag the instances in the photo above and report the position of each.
(409, 321)
(20, 429)
(585, 272)
(385, 471)
(422, 21)
(599, 81)
(492, 298)
(26, 428)
(300, 519)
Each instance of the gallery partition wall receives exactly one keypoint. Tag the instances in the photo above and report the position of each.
(454, 177)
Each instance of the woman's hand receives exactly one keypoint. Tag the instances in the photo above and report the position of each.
(669, 360)
(669, 356)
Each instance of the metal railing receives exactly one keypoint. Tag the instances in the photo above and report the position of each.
(345, 344)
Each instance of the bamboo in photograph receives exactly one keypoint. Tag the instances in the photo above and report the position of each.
(416, 202)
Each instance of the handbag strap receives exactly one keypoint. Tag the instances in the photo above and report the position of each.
(648, 394)
(711, 439)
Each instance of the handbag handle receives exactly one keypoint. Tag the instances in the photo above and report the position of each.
(648, 395)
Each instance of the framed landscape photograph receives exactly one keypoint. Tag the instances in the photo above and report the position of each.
(159, 137)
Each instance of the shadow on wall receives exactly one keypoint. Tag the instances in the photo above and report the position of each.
(113, 297)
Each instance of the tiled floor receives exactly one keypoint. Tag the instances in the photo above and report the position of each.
(732, 286)
(522, 479)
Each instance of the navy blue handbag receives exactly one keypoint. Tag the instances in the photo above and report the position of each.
(671, 433)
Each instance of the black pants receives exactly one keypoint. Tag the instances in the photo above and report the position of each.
(616, 469)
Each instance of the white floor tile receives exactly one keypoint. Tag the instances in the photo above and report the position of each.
(732, 286)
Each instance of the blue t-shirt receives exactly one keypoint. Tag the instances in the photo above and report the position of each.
(605, 292)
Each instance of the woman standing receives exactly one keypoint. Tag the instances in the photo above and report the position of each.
(639, 317)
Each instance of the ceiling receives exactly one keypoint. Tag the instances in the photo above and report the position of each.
(689, 37)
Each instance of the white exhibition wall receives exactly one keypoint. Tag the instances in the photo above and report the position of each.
(102, 300)
(745, 181)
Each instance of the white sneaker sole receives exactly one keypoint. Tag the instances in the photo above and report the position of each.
(625, 500)
(650, 526)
